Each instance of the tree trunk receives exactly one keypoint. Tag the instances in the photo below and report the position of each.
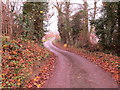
(118, 37)
(9, 29)
(67, 26)
(95, 7)
(86, 15)
(85, 31)
(0, 34)
(0, 19)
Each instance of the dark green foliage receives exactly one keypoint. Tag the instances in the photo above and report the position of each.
(107, 27)
(77, 25)
(34, 14)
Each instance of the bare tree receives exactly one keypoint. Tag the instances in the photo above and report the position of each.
(61, 25)
(6, 20)
(64, 27)
(8, 16)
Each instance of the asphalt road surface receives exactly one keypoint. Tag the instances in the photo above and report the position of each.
(74, 71)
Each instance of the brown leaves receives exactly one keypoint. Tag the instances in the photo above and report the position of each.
(106, 61)
(19, 62)
(43, 75)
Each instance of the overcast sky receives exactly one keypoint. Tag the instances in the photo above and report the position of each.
(53, 20)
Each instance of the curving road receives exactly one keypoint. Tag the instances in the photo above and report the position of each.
(74, 71)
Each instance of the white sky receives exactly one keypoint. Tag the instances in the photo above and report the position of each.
(53, 20)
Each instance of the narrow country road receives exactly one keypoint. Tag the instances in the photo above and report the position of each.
(74, 71)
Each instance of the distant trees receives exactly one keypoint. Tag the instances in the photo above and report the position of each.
(69, 26)
(74, 28)
(77, 26)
